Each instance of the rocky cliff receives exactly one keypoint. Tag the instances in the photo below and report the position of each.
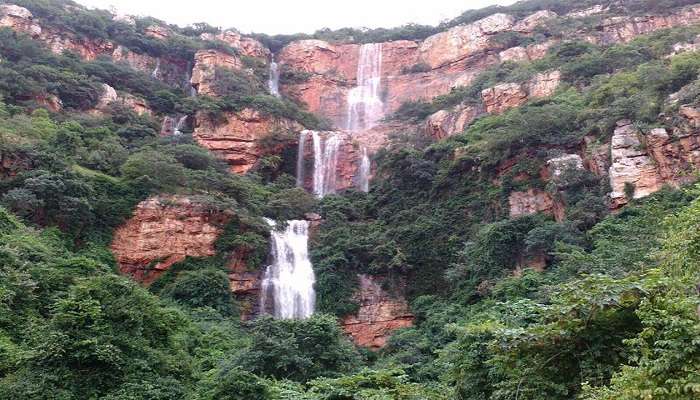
(379, 315)
(162, 231)
(643, 163)
(238, 137)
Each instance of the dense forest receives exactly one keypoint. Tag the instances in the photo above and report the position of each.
(612, 312)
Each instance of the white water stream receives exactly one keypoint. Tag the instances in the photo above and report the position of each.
(365, 105)
(273, 82)
(288, 283)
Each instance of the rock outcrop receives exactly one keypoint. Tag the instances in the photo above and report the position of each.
(19, 19)
(534, 201)
(204, 72)
(559, 165)
(245, 45)
(633, 172)
(245, 285)
(463, 41)
(529, 53)
(110, 98)
(163, 231)
(505, 96)
(643, 164)
(236, 137)
(444, 123)
(379, 315)
(158, 32)
(623, 29)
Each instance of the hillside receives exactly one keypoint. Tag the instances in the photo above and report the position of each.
(504, 206)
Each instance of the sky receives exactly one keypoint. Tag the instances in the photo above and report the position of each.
(295, 16)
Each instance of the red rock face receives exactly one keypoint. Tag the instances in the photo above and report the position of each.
(204, 72)
(503, 97)
(667, 158)
(446, 123)
(533, 201)
(163, 231)
(19, 19)
(110, 97)
(380, 314)
(236, 138)
(245, 285)
(624, 29)
(246, 46)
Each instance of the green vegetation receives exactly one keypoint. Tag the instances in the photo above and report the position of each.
(588, 305)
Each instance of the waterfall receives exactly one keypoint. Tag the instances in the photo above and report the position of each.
(300, 159)
(365, 106)
(187, 83)
(156, 71)
(180, 124)
(364, 171)
(273, 82)
(325, 163)
(288, 283)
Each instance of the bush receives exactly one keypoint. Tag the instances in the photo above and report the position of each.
(299, 350)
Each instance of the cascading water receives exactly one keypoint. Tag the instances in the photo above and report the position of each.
(156, 71)
(325, 163)
(273, 82)
(364, 171)
(300, 159)
(288, 283)
(180, 124)
(365, 106)
(187, 83)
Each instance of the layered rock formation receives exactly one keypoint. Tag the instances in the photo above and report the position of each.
(633, 172)
(204, 72)
(643, 164)
(446, 123)
(163, 231)
(245, 45)
(495, 100)
(19, 19)
(236, 137)
(505, 96)
(624, 29)
(379, 315)
(533, 201)
(110, 98)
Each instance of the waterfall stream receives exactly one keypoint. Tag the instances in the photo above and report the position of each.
(365, 106)
(180, 124)
(364, 171)
(156, 71)
(288, 283)
(300, 159)
(273, 82)
(325, 163)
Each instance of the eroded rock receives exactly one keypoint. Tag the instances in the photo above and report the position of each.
(379, 315)
(165, 230)
(236, 137)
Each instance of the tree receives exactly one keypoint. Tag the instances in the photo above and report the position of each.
(298, 349)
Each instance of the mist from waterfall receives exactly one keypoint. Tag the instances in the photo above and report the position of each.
(325, 163)
(273, 82)
(365, 106)
(288, 282)
(364, 171)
